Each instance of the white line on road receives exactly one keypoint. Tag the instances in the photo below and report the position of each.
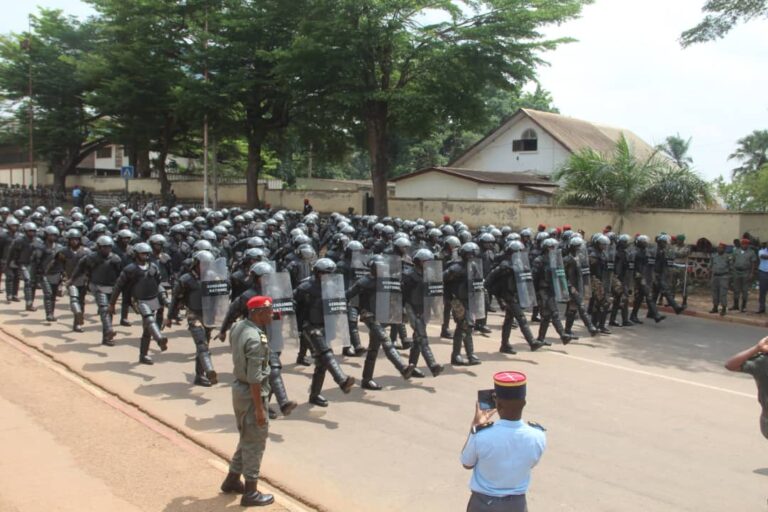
(656, 375)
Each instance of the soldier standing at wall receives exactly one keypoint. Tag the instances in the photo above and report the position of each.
(720, 268)
(744, 260)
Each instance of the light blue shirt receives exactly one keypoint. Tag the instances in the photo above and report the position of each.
(503, 456)
(763, 263)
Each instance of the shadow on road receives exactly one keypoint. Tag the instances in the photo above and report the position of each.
(119, 367)
(173, 391)
(220, 423)
(761, 471)
(190, 504)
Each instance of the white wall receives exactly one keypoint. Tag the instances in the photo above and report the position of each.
(498, 156)
(435, 184)
(17, 175)
(500, 192)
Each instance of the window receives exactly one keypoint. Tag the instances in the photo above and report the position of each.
(104, 152)
(527, 142)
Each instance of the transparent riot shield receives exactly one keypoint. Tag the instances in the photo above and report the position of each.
(389, 295)
(214, 281)
(650, 268)
(335, 311)
(526, 294)
(282, 331)
(585, 284)
(475, 289)
(433, 292)
(559, 283)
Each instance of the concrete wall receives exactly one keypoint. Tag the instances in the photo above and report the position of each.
(498, 155)
(479, 211)
(321, 200)
(16, 174)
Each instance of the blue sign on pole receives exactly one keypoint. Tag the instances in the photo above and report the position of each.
(126, 172)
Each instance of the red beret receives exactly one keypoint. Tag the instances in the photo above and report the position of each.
(745, 241)
(259, 302)
(567, 227)
(542, 227)
(721, 244)
(306, 201)
(446, 218)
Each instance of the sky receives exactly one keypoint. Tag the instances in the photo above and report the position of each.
(628, 70)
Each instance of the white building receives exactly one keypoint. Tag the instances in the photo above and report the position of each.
(540, 142)
(454, 183)
(114, 156)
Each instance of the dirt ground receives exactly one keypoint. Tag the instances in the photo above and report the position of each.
(65, 449)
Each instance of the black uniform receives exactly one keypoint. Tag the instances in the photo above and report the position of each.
(413, 298)
(457, 291)
(102, 273)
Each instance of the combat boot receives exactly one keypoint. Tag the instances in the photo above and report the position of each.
(253, 498)
(232, 484)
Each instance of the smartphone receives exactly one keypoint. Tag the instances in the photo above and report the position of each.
(486, 398)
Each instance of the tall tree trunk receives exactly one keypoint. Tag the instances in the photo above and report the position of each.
(59, 177)
(143, 168)
(255, 165)
(378, 148)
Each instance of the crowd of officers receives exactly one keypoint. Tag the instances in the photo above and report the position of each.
(326, 275)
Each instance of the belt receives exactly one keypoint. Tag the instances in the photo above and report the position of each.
(499, 498)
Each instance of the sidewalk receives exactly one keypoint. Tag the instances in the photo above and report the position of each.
(700, 305)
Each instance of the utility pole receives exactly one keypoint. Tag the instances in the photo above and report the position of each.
(309, 165)
(31, 108)
(205, 121)
(215, 175)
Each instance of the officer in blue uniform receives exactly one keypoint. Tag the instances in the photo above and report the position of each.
(501, 455)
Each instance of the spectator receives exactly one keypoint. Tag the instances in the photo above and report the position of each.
(501, 455)
(754, 361)
(77, 196)
(307, 207)
(762, 274)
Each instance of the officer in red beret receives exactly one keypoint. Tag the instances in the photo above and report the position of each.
(501, 455)
(250, 393)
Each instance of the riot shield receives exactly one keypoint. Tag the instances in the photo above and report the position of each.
(214, 281)
(359, 264)
(559, 283)
(335, 310)
(282, 330)
(389, 296)
(650, 269)
(526, 294)
(585, 285)
(610, 267)
(475, 289)
(433, 292)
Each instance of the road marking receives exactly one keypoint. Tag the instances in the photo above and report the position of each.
(656, 375)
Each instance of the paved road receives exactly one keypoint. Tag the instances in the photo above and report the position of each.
(69, 447)
(646, 419)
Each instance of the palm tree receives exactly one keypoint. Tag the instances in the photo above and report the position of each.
(752, 152)
(676, 148)
(624, 182)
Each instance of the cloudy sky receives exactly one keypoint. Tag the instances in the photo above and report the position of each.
(628, 70)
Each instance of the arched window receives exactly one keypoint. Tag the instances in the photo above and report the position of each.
(527, 142)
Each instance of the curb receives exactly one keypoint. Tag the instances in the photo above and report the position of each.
(716, 317)
(179, 436)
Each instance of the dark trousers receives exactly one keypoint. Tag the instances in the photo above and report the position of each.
(482, 503)
(763, 279)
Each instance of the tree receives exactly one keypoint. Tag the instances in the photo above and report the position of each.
(66, 129)
(624, 182)
(383, 67)
(676, 148)
(746, 193)
(721, 17)
(752, 152)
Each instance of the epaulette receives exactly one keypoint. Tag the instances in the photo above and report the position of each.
(537, 425)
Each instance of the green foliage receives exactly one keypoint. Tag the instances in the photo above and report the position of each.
(752, 152)
(624, 182)
(381, 66)
(676, 148)
(746, 193)
(65, 127)
(721, 17)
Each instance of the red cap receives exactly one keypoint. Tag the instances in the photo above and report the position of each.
(542, 227)
(557, 230)
(674, 238)
(745, 241)
(721, 244)
(446, 218)
(306, 201)
(259, 302)
(607, 229)
(567, 227)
